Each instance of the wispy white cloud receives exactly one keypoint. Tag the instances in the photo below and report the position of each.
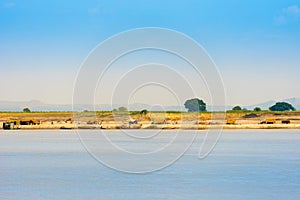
(292, 10)
(8, 4)
(290, 13)
(98, 9)
(94, 10)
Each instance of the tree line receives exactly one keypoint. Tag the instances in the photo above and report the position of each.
(198, 105)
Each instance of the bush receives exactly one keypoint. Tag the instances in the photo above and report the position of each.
(144, 112)
(122, 109)
(237, 108)
(257, 109)
(134, 112)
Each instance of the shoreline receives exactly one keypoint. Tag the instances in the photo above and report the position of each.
(161, 127)
(107, 120)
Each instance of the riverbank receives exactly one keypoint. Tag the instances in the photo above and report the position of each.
(164, 127)
(152, 120)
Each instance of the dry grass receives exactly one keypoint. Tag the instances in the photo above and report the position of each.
(167, 118)
(41, 116)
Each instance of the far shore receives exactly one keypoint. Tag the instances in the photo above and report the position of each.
(163, 127)
(108, 120)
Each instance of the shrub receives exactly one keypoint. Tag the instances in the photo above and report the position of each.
(237, 108)
(257, 109)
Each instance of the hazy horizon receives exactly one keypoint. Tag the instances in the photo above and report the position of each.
(36, 102)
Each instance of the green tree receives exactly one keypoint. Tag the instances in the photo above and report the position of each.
(122, 109)
(257, 109)
(195, 105)
(26, 110)
(237, 108)
(144, 112)
(282, 106)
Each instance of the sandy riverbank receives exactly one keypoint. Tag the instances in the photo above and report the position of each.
(166, 127)
(154, 120)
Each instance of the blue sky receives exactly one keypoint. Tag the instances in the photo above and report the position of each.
(255, 44)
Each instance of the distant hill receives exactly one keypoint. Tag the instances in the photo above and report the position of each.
(36, 105)
(265, 105)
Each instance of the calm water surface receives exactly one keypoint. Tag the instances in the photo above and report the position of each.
(245, 164)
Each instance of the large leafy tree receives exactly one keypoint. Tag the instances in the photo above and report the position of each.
(195, 105)
(26, 110)
(282, 106)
